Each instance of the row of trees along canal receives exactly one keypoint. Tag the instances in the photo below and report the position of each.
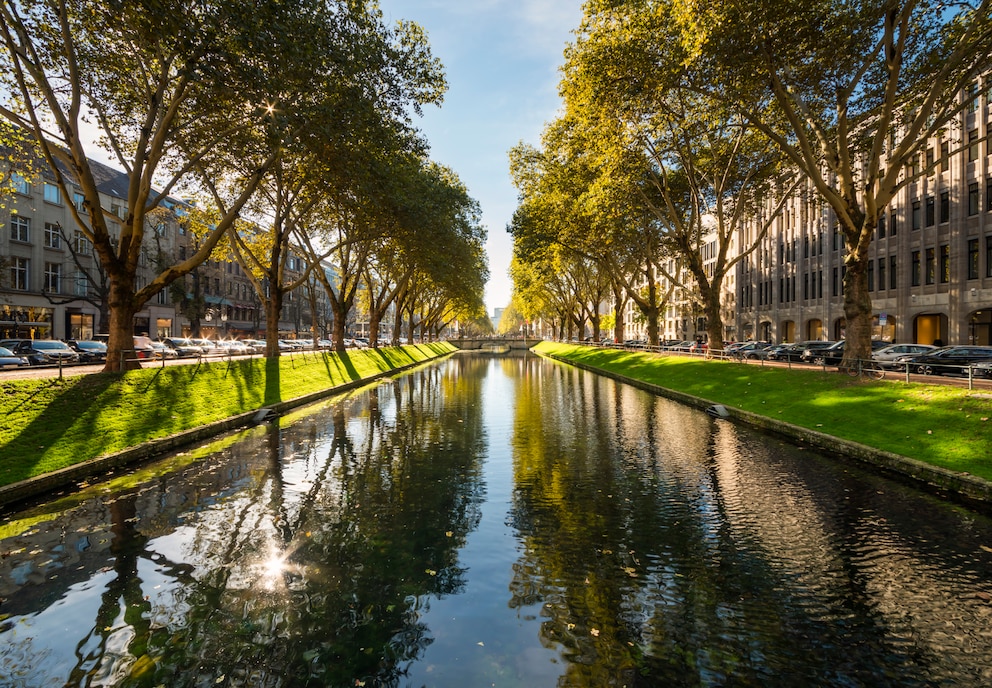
(685, 120)
(294, 114)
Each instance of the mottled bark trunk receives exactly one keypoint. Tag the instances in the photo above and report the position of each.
(273, 311)
(857, 311)
(714, 320)
(120, 344)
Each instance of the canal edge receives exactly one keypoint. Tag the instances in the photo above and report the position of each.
(66, 477)
(965, 488)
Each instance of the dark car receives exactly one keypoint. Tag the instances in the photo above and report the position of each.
(42, 351)
(751, 350)
(794, 352)
(9, 360)
(950, 360)
(89, 351)
(833, 354)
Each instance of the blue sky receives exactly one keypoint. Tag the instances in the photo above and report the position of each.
(501, 60)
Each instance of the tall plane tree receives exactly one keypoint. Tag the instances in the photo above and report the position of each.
(851, 93)
(164, 86)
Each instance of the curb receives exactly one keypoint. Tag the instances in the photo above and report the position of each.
(965, 488)
(153, 449)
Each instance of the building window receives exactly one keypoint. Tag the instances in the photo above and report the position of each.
(83, 245)
(973, 145)
(915, 268)
(871, 275)
(945, 264)
(945, 206)
(988, 256)
(930, 211)
(930, 267)
(19, 273)
(892, 272)
(973, 99)
(972, 259)
(77, 200)
(21, 185)
(916, 217)
(162, 298)
(988, 194)
(881, 274)
(893, 223)
(20, 228)
(930, 161)
(53, 235)
(881, 226)
(945, 156)
(82, 284)
(973, 198)
(53, 194)
(53, 278)
(834, 289)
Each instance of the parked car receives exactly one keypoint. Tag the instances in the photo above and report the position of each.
(983, 369)
(888, 356)
(833, 354)
(698, 347)
(162, 351)
(949, 360)
(41, 351)
(811, 349)
(89, 351)
(183, 347)
(208, 347)
(794, 352)
(750, 350)
(233, 347)
(8, 359)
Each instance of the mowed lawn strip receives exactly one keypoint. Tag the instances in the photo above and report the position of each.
(938, 424)
(48, 424)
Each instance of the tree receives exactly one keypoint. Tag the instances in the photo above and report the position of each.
(337, 142)
(165, 88)
(850, 92)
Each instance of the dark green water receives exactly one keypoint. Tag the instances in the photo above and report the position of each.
(497, 521)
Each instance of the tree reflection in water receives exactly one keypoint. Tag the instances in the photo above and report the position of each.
(306, 554)
(496, 520)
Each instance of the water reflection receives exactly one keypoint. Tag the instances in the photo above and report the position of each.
(299, 556)
(497, 520)
(700, 554)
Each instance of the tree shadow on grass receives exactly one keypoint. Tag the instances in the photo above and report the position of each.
(74, 410)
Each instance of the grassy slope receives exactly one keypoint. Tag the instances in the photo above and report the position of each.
(941, 425)
(49, 424)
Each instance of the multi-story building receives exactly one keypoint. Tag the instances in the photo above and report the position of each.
(930, 274)
(51, 284)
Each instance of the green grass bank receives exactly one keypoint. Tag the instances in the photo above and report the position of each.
(943, 426)
(48, 424)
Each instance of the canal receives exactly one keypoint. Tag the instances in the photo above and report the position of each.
(496, 521)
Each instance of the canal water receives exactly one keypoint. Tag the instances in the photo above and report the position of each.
(497, 521)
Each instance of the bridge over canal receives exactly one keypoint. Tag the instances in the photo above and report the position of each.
(500, 344)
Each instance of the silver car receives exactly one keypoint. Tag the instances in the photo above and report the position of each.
(888, 357)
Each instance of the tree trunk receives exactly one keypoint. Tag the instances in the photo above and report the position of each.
(120, 344)
(714, 319)
(857, 311)
(618, 306)
(273, 310)
(374, 320)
